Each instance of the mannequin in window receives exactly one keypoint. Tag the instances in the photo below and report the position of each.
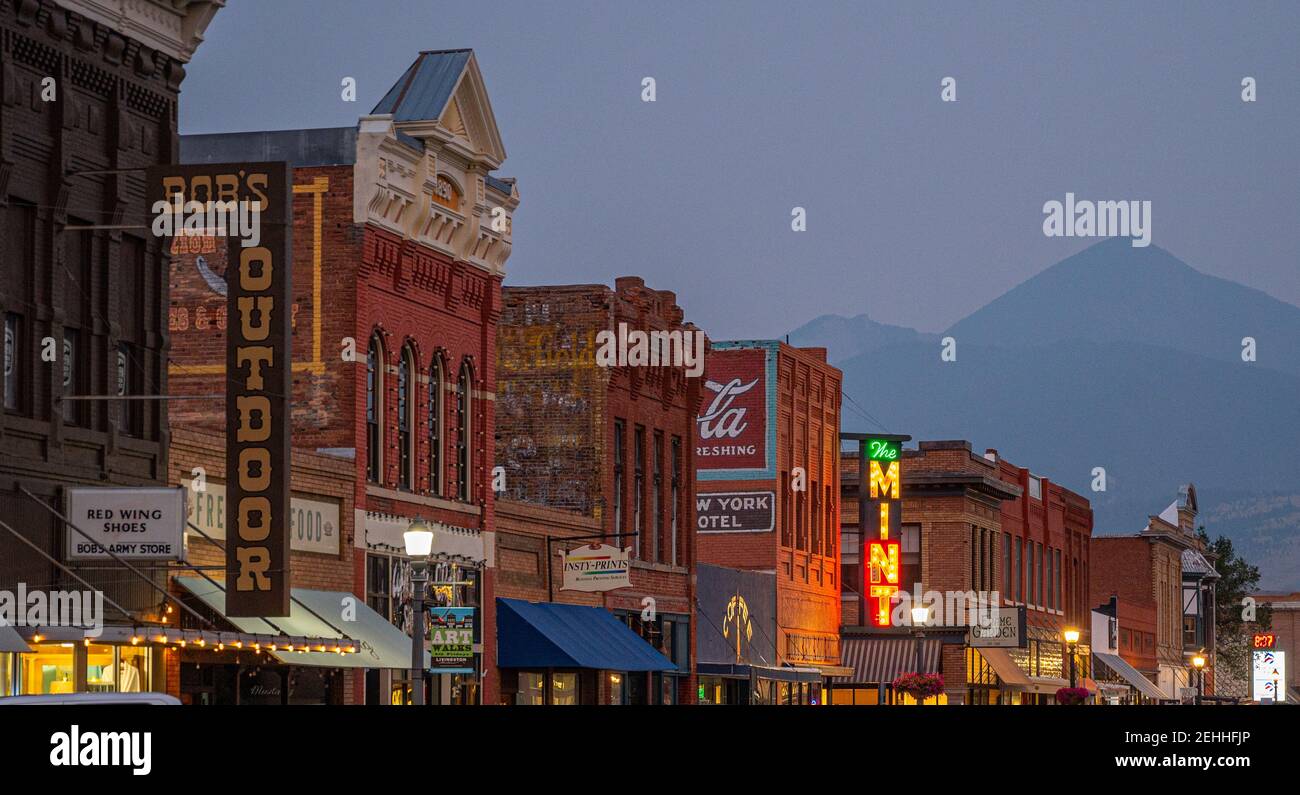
(128, 677)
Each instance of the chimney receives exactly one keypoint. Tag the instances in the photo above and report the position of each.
(991, 454)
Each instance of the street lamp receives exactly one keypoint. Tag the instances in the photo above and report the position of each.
(1198, 662)
(920, 616)
(1071, 638)
(419, 543)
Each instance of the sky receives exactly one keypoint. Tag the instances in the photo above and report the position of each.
(919, 211)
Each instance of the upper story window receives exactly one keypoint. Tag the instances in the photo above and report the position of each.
(465, 432)
(1035, 487)
(374, 410)
(405, 420)
(437, 388)
(11, 388)
(618, 483)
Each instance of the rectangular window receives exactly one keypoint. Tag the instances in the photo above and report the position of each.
(1019, 571)
(618, 483)
(1006, 566)
(130, 381)
(1029, 573)
(1035, 487)
(1057, 585)
(378, 587)
(815, 544)
(74, 368)
(910, 557)
(13, 362)
(656, 499)
(1038, 555)
(800, 528)
(676, 492)
(638, 489)
(832, 531)
(787, 529)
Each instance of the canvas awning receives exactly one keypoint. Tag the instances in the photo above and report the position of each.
(882, 660)
(379, 643)
(10, 640)
(743, 671)
(1008, 671)
(1130, 674)
(552, 635)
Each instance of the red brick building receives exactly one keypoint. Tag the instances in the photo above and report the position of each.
(610, 443)
(322, 560)
(401, 233)
(976, 524)
(1163, 570)
(767, 477)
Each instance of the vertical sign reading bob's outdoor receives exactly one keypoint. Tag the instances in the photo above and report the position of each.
(249, 205)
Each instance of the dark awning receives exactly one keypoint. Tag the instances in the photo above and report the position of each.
(10, 640)
(742, 671)
(882, 660)
(551, 635)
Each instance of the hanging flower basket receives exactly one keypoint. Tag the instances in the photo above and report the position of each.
(1071, 695)
(920, 686)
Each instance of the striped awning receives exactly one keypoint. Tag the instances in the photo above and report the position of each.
(882, 660)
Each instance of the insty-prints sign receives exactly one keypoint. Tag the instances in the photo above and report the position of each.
(735, 512)
(249, 204)
(596, 567)
(731, 429)
(143, 524)
(313, 524)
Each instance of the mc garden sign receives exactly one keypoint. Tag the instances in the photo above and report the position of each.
(249, 205)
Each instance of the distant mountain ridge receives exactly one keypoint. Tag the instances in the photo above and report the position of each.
(1081, 366)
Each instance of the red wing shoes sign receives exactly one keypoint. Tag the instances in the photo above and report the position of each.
(248, 204)
(731, 430)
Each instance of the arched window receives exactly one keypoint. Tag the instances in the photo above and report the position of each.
(464, 432)
(405, 418)
(374, 410)
(436, 410)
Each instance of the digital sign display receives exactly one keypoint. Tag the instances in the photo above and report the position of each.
(1264, 640)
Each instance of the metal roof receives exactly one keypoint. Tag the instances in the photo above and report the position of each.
(425, 87)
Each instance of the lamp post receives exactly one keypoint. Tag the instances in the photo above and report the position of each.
(1071, 638)
(419, 543)
(1198, 662)
(920, 615)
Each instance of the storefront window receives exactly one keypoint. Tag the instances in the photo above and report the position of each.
(616, 688)
(48, 669)
(564, 689)
(6, 674)
(532, 688)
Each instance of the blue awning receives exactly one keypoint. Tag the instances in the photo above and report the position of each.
(551, 635)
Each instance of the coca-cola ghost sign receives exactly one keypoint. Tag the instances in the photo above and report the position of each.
(731, 429)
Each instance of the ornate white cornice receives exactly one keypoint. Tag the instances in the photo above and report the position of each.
(398, 188)
(174, 27)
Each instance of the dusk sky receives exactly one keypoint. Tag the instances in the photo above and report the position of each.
(919, 211)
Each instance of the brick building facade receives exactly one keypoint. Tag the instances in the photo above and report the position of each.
(978, 524)
(608, 443)
(90, 100)
(779, 514)
(401, 233)
(320, 547)
(1164, 570)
